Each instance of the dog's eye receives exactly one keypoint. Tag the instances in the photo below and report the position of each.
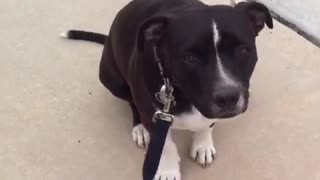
(242, 51)
(190, 59)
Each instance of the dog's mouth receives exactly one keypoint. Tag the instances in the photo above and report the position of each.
(227, 115)
(220, 113)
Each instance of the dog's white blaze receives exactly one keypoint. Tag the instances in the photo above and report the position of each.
(224, 75)
(234, 2)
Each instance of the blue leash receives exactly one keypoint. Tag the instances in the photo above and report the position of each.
(155, 148)
(163, 120)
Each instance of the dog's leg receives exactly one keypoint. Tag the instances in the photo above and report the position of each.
(135, 114)
(169, 168)
(202, 149)
(140, 134)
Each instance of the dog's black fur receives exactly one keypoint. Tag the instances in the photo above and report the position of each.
(182, 32)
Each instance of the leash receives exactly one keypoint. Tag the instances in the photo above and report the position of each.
(162, 120)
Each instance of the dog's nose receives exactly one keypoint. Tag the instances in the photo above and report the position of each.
(227, 98)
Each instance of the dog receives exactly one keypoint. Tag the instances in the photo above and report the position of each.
(208, 53)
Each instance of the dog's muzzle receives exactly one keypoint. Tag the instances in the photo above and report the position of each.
(229, 101)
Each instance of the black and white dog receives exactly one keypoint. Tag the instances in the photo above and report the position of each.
(208, 53)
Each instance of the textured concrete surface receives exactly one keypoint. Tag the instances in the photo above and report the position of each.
(301, 14)
(57, 122)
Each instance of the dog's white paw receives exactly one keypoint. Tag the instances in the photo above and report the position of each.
(169, 168)
(202, 149)
(168, 175)
(141, 136)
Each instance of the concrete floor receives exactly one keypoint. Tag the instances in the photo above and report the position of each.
(57, 122)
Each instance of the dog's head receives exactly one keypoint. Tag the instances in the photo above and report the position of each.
(209, 53)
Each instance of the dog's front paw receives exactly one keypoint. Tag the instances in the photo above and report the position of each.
(141, 136)
(202, 148)
(169, 169)
(168, 175)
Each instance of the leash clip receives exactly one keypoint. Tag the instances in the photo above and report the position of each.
(165, 97)
(159, 115)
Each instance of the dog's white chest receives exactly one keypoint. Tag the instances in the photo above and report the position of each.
(193, 121)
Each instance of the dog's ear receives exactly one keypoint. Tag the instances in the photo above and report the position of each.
(258, 14)
(152, 31)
